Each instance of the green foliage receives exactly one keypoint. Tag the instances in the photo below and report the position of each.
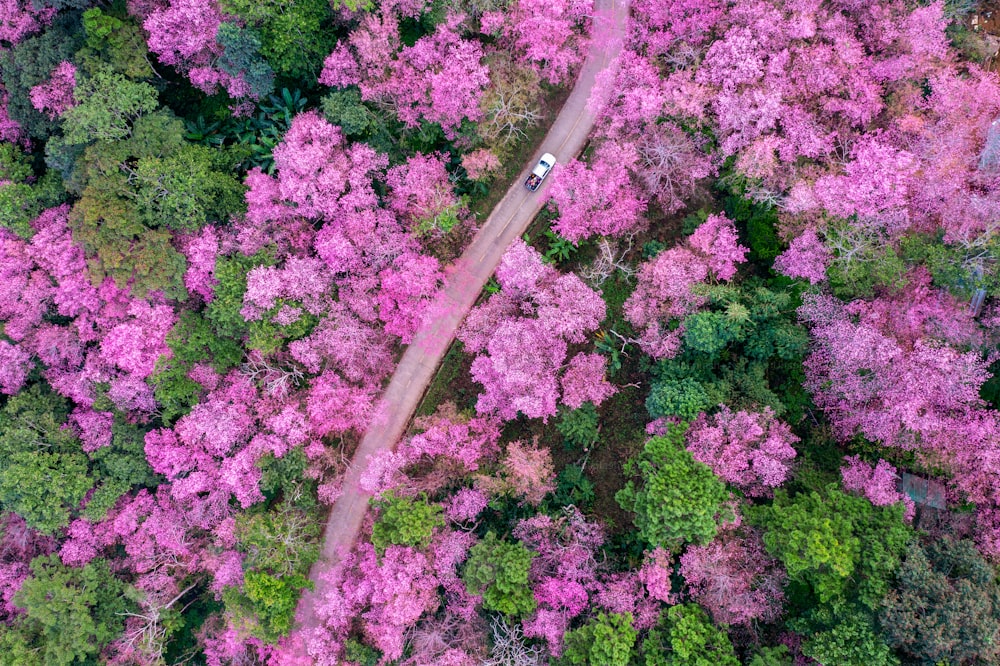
(119, 246)
(403, 521)
(71, 613)
(573, 488)
(192, 340)
(43, 471)
(281, 540)
(134, 189)
(295, 35)
(30, 63)
(255, 136)
(849, 639)
(223, 313)
(607, 640)
(285, 476)
(268, 336)
(359, 653)
(579, 426)
(267, 603)
(863, 260)
(961, 270)
(354, 5)
(944, 606)
(187, 188)
(119, 467)
(686, 637)
(839, 545)
(684, 398)
(44, 474)
(279, 545)
(107, 105)
(241, 55)
(560, 250)
(744, 349)
(114, 39)
(345, 109)
(757, 219)
(771, 656)
(499, 571)
(24, 197)
(678, 499)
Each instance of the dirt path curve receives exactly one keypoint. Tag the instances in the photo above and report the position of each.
(416, 369)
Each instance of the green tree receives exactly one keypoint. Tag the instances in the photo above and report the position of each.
(944, 606)
(839, 545)
(187, 188)
(107, 105)
(114, 39)
(684, 398)
(744, 348)
(241, 55)
(192, 340)
(345, 109)
(677, 499)
(70, 613)
(403, 521)
(267, 602)
(499, 571)
(24, 196)
(119, 246)
(43, 471)
(607, 640)
(296, 35)
(849, 639)
(223, 313)
(579, 426)
(685, 636)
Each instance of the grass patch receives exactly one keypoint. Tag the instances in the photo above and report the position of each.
(453, 382)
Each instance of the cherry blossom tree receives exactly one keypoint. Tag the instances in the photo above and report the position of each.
(438, 79)
(521, 335)
(56, 95)
(735, 578)
(806, 258)
(549, 38)
(600, 199)
(666, 284)
(752, 451)
(877, 483)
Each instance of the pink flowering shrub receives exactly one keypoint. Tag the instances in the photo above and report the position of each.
(752, 451)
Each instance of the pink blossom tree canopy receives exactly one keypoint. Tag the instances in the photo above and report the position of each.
(521, 335)
(752, 451)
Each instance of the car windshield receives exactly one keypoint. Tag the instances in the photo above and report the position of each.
(543, 163)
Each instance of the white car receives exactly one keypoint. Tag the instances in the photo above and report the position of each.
(540, 171)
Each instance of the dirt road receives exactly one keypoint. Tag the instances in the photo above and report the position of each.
(416, 369)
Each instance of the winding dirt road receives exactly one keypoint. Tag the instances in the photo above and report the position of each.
(416, 369)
